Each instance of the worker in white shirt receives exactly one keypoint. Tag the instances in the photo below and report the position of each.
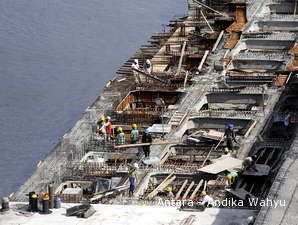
(148, 66)
(135, 66)
(207, 200)
(249, 163)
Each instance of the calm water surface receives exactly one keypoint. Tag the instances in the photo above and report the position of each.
(55, 56)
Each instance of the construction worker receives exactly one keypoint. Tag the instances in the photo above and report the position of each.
(232, 179)
(146, 138)
(249, 163)
(207, 200)
(135, 66)
(100, 128)
(120, 136)
(134, 134)
(132, 177)
(230, 136)
(250, 220)
(108, 128)
(169, 192)
(148, 66)
(226, 152)
(286, 119)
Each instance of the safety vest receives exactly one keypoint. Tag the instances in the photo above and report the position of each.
(134, 135)
(121, 138)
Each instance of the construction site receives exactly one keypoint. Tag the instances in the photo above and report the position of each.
(224, 62)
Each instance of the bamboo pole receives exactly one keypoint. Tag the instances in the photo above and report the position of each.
(160, 187)
(181, 189)
(193, 195)
(188, 190)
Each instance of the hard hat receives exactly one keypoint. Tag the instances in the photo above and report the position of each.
(119, 129)
(226, 150)
(46, 196)
(203, 193)
(146, 131)
(102, 118)
(231, 126)
(108, 118)
(34, 196)
(134, 125)
(168, 189)
(229, 177)
(148, 61)
(136, 61)
(135, 165)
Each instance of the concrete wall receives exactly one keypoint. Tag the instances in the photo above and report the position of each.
(219, 123)
(243, 64)
(268, 44)
(278, 25)
(230, 98)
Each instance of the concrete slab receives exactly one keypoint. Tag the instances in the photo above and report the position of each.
(285, 189)
(129, 215)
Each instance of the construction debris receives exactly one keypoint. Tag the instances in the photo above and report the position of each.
(82, 211)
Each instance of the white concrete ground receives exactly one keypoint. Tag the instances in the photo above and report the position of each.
(128, 215)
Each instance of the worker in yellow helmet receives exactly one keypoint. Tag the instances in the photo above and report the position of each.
(207, 200)
(120, 136)
(169, 192)
(226, 153)
(134, 134)
(132, 177)
(232, 178)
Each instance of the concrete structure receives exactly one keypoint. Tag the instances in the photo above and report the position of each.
(215, 66)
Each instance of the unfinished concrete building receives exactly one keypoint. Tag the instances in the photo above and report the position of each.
(225, 62)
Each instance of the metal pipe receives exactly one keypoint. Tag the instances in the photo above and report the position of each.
(181, 58)
(206, 21)
(218, 40)
(203, 60)
(200, 3)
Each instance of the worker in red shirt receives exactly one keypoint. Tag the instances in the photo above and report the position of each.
(108, 128)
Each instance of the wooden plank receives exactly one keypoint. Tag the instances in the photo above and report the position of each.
(160, 187)
(222, 165)
(193, 195)
(250, 129)
(188, 190)
(147, 144)
(189, 220)
(181, 58)
(168, 177)
(181, 189)
(218, 40)
(205, 185)
(210, 134)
